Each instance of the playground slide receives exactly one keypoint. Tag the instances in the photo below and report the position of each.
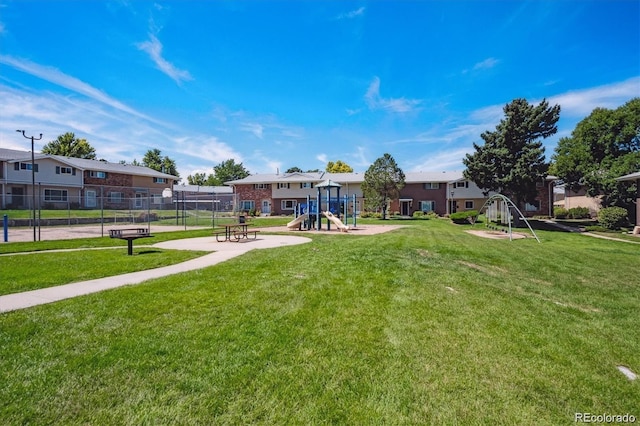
(298, 220)
(341, 226)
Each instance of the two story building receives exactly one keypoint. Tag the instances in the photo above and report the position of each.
(439, 192)
(62, 182)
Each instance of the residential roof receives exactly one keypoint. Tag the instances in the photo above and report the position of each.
(11, 155)
(420, 177)
(342, 178)
(203, 189)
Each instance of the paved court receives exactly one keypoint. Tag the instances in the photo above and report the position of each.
(49, 233)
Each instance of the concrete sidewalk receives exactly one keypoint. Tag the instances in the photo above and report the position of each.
(221, 252)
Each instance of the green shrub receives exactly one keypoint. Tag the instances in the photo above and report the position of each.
(431, 215)
(613, 217)
(418, 215)
(579, 213)
(468, 216)
(560, 212)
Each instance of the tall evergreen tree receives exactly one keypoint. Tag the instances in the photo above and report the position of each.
(512, 160)
(382, 183)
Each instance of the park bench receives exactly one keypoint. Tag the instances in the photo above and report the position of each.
(129, 234)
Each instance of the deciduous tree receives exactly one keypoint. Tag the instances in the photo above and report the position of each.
(154, 160)
(511, 161)
(226, 171)
(382, 183)
(338, 167)
(69, 146)
(197, 179)
(602, 147)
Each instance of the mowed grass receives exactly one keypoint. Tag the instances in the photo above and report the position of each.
(424, 325)
(31, 271)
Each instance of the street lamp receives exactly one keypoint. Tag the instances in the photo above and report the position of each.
(33, 178)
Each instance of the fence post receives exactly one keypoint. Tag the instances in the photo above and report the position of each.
(5, 224)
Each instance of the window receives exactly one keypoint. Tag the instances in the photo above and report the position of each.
(55, 195)
(427, 206)
(159, 180)
(432, 185)
(468, 204)
(156, 199)
(284, 185)
(532, 207)
(65, 170)
(306, 185)
(24, 166)
(462, 184)
(99, 175)
(260, 186)
(116, 197)
(288, 204)
(247, 205)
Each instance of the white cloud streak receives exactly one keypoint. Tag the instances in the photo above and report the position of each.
(486, 64)
(59, 78)
(580, 103)
(352, 14)
(153, 48)
(254, 128)
(395, 105)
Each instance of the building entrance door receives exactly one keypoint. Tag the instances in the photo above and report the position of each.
(266, 207)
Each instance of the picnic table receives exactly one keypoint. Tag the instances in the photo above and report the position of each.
(235, 232)
(130, 234)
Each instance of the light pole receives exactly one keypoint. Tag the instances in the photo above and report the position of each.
(33, 178)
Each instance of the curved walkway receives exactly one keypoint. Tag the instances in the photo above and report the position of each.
(221, 252)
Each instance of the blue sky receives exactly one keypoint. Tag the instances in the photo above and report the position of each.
(277, 84)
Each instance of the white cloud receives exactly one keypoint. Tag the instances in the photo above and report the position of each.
(580, 103)
(352, 14)
(55, 76)
(486, 64)
(255, 128)
(153, 48)
(361, 158)
(448, 160)
(322, 158)
(207, 148)
(395, 105)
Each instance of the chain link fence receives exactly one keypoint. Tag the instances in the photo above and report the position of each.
(181, 208)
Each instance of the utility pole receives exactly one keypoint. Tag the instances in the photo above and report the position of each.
(33, 178)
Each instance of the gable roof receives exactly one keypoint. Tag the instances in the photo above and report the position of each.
(342, 178)
(11, 155)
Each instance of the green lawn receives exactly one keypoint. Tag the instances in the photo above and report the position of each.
(424, 325)
(47, 269)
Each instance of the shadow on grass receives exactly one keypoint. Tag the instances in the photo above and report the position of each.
(148, 251)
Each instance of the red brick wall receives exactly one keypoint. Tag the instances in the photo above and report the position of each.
(250, 193)
(112, 179)
(417, 192)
